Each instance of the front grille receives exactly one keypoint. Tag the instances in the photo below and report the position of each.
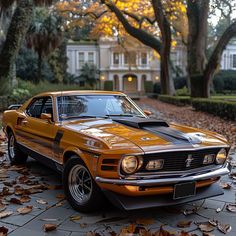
(177, 161)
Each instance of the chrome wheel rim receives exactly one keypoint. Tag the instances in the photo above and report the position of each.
(12, 146)
(80, 184)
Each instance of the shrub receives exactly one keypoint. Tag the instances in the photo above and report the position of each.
(180, 82)
(176, 100)
(224, 109)
(183, 92)
(108, 85)
(148, 86)
(225, 81)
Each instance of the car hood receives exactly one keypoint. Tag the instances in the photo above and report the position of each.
(147, 134)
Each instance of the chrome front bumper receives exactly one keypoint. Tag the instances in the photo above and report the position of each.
(171, 180)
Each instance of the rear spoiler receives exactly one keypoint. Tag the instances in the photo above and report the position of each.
(14, 107)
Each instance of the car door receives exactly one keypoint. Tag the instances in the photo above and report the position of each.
(36, 133)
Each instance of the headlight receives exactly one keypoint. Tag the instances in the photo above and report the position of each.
(130, 164)
(221, 157)
(155, 164)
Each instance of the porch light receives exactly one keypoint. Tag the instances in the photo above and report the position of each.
(157, 78)
(102, 77)
(130, 78)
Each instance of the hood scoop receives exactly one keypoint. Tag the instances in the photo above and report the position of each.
(140, 123)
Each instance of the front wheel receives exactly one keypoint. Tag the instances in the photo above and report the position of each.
(80, 189)
(16, 156)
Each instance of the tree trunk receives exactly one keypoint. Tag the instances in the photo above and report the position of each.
(197, 12)
(16, 33)
(199, 87)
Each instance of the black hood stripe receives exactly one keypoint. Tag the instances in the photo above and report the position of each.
(160, 128)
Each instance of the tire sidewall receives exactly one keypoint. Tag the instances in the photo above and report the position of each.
(11, 158)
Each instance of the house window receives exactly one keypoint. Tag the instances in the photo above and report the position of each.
(234, 60)
(116, 59)
(91, 58)
(81, 59)
(143, 58)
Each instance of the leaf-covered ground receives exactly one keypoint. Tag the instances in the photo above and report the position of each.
(188, 116)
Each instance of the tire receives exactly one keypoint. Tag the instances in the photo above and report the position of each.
(82, 197)
(16, 156)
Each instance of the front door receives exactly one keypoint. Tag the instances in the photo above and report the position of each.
(35, 133)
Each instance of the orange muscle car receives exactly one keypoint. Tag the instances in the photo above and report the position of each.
(106, 146)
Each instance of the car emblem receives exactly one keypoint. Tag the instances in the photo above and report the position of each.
(189, 160)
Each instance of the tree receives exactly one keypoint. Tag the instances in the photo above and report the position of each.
(200, 69)
(89, 74)
(44, 35)
(16, 32)
(144, 20)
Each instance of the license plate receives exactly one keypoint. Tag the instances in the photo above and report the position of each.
(184, 190)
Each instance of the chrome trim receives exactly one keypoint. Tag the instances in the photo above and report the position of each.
(164, 181)
(186, 149)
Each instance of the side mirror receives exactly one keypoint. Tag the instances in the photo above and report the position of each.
(46, 116)
(147, 113)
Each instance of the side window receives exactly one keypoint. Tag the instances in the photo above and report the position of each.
(47, 106)
(35, 108)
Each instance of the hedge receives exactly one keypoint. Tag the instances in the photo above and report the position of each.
(176, 100)
(224, 109)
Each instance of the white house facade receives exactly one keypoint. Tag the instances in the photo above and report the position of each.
(128, 67)
(228, 60)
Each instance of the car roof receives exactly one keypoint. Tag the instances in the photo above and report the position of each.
(79, 92)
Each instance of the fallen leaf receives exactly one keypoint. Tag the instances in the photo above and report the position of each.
(2, 207)
(3, 231)
(5, 214)
(75, 218)
(224, 228)
(190, 211)
(83, 225)
(6, 191)
(225, 185)
(184, 224)
(25, 199)
(49, 227)
(15, 201)
(55, 187)
(206, 227)
(19, 191)
(10, 183)
(59, 204)
(231, 207)
(163, 232)
(41, 201)
(33, 191)
(218, 210)
(25, 210)
(213, 222)
(207, 234)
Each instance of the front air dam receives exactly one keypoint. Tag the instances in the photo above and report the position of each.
(133, 203)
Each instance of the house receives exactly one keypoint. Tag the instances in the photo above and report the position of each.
(228, 60)
(128, 64)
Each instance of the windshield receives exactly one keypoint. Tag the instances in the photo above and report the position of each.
(76, 106)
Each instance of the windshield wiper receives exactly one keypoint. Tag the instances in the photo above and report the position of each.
(78, 117)
(125, 115)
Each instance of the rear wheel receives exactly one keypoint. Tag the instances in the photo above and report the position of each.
(80, 189)
(16, 156)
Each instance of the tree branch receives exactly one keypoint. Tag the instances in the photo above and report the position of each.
(215, 58)
(139, 34)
